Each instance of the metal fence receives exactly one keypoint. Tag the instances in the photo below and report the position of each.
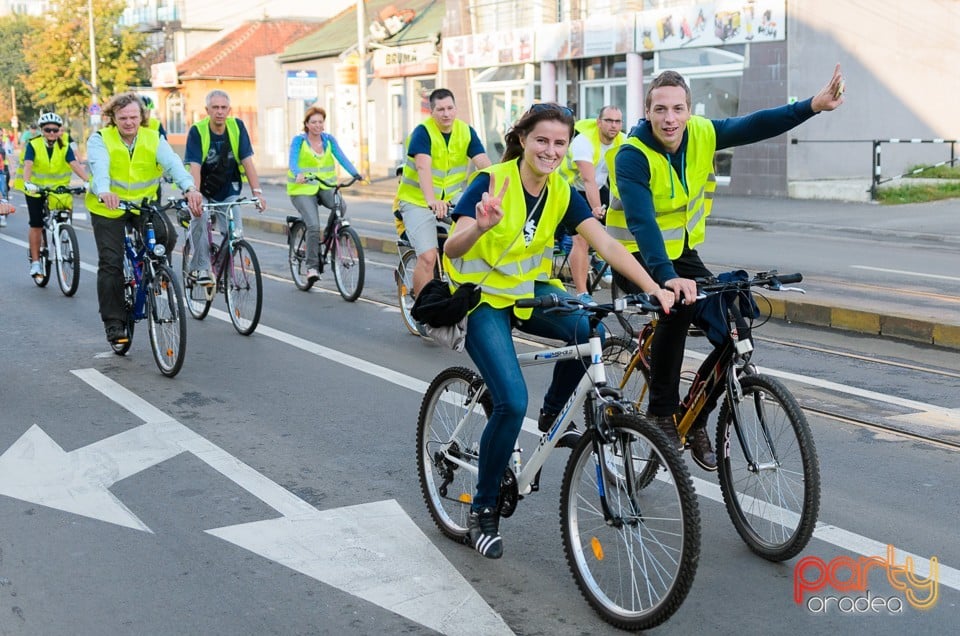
(876, 172)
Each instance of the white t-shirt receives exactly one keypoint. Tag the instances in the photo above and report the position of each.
(582, 150)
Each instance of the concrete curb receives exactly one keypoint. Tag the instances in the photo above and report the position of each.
(806, 312)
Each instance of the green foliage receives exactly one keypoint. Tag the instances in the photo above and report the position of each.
(918, 193)
(13, 68)
(940, 172)
(58, 56)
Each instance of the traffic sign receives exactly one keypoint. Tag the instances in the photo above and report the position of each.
(94, 109)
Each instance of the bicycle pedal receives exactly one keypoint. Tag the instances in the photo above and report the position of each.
(209, 291)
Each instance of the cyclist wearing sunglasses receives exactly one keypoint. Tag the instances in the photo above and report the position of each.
(47, 162)
(502, 240)
(439, 151)
(664, 176)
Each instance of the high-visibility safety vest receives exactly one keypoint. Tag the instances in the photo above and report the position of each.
(591, 129)
(680, 211)
(323, 166)
(521, 265)
(233, 134)
(449, 164)
(48, 171)
(132, 177)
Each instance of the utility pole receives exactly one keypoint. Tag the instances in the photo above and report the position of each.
(94, 90)
(362, 89)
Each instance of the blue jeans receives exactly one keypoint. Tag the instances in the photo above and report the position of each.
(490, 346)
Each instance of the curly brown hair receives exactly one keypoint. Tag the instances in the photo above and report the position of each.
(122, 101)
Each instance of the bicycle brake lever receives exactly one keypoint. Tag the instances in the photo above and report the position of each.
(799, 290)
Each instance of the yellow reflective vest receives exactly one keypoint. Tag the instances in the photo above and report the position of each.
(449, 164)
(48, 171)
(520, 266)
(323, 166)
(233, 134)
(591, 129)
(132, 177)
(680, 211)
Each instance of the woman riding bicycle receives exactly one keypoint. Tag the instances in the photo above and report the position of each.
(47, 162)
(314, 152)
(503, 236)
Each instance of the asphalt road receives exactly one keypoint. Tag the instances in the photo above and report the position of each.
(270, 488)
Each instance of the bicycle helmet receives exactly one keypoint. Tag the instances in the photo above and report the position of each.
(147, 102)
(49, 118)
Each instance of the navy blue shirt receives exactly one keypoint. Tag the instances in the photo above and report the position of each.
(633, 172)
(218, 144)
(420, 142)
(577, 211)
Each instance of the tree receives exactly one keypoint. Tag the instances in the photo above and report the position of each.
(13, 68)
(58, 56)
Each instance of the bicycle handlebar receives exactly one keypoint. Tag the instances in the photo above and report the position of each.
(147, 206)
(769, 280)
(61, 189)
(332, 184)
(643, 302)
(229, 204)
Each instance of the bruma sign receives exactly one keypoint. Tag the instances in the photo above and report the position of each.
(850, 578)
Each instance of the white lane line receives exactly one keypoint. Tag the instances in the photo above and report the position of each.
(906, 273)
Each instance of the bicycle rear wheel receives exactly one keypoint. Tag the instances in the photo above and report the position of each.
(68, 261)
(165, 314)
(452, 417)
(773, 500)
(348, 264)
(44, 277)
(243, 288)
(633, 549)
(404, 277)
(195, 296)
(297, 256)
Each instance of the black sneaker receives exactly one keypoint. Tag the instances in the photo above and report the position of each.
(701, 450)
(667, 424)
(116, 334)
(483, 533)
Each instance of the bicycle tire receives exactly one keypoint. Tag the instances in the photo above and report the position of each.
(44, 258)
(349, 265)
(297, 256)
(195, 296)
(129, 291)
(68, 260)
(122, 348)
(243, 288)
(448, 488)
(404, 278)
(775, 508)
(636, 568)
(165, 314)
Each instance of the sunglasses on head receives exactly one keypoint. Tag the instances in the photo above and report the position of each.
(537, 108)
(51, 129)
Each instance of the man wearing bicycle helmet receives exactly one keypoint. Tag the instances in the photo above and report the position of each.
(663, 174)
(219, 156)
(127, 160)
(47, 162)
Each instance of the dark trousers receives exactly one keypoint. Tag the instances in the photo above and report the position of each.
(109, 234)
(669, 340)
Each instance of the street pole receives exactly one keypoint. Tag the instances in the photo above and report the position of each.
(362, 89)
(94, 119)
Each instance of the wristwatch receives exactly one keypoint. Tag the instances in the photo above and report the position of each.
(258, 190)
(190, 189)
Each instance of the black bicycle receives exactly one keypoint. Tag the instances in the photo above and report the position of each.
(151, 290)
(339, 246)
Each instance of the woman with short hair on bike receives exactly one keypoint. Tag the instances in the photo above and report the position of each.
(502, 239)
(47, 162)
(314, 152)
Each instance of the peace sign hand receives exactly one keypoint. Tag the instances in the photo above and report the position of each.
(489, 212)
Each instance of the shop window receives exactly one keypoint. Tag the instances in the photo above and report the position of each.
(175, 119)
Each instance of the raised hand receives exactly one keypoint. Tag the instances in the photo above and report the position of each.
(489, 212)
(831, 95)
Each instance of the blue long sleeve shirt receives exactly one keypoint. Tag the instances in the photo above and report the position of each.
(329, 141)
(633, 172)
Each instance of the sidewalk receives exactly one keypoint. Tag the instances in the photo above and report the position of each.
(869, 311)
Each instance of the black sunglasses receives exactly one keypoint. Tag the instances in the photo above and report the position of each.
(51, 130)
(537, 108)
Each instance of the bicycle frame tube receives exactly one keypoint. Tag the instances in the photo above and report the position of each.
(138, 264)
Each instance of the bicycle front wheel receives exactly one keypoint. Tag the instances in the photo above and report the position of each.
(297, 256)
(195, 296)
(165, 313)
(348, 264)
(243, 287)
(633, 548)
(768, 469)
(68, 260)
(404, 276)
(453, 415)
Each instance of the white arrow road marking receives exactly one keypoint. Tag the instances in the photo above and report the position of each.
(373, 551)
(376, 552)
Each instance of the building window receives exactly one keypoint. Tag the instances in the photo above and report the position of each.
(175, 119)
